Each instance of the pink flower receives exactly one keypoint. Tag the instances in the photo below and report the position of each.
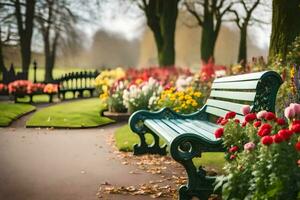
(249, 146)
(296, 108)
(289, 112)
(246, 109)
(261, 114)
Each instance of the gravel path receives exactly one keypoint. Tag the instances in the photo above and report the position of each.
(61, 164)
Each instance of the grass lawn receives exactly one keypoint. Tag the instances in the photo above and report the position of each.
(10, 112)
(125, 140)
(77, 114)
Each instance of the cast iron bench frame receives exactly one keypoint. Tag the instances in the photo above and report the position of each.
(76, 82)
(187, 136)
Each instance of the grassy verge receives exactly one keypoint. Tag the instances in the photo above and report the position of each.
(10, 112)
(125, 139)
(78, 114)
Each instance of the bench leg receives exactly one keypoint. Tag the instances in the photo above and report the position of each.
(143, 147)
(199, 185)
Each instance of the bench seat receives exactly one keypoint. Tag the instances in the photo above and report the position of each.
(187, 136)
(170, 129)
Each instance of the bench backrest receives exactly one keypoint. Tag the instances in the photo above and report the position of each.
(230, 93)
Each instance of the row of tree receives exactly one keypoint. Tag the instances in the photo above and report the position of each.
(210, 14)
(53, 19)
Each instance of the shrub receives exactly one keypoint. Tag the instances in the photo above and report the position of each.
(262, 156)
(138, 97)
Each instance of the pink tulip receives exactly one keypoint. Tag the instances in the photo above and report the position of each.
(296, 108)
(261, 114)
(246, 109)
(289, 112)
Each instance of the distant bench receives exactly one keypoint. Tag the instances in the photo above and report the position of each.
(77, 83)
(187, 136)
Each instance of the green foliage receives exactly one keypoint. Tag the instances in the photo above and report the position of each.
(289, 70)
(293, 56)
(10, 112)
(262, 172)
(82, 113)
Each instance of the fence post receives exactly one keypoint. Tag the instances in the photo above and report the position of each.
(34, 71)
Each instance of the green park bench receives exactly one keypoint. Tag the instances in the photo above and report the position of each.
(187, 136)
(76, 83)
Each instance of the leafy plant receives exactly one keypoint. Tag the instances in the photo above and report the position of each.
(263, 155)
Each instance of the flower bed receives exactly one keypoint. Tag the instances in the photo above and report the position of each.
(263, 156)
(21, 88)
(3, 89)
(151, 88)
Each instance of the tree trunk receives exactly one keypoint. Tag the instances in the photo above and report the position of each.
(168, 26)
(2, 64)
(25, 30)
(48, 69)
(161, 19)
(208, 39)
(242, 57)
(50, 55)
(285, 26)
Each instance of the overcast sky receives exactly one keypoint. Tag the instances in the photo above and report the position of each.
(128, 20)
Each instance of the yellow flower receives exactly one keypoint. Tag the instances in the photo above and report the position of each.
(138, 81)
(197, 94)
(194, 104)
(187, 97)
(292, 72)
(181, 98)
(104, 88)
(188, 101)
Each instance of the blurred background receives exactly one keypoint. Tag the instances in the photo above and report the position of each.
(106, 34)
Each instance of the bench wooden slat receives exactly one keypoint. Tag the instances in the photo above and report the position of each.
(211, 127)
(193, 128)
(230, 106)
(245, 85)
(246, 96)
(188, 129)
(243, 77)
(204, 124)
(160, 129)
(220, 112)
